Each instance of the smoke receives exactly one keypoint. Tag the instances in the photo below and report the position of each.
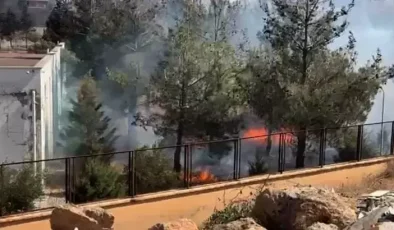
(142, 56)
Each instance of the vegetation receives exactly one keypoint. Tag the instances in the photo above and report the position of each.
(99, 180)
(89, 133)
(231, 212)
(19, 189)
(154, 171)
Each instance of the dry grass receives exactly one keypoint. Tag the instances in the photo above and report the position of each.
(383, 181)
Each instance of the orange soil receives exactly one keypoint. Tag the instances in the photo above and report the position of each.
(200, 207)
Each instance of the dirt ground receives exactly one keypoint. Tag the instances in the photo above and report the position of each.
(349, 182)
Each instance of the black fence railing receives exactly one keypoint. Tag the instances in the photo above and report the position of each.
(32, 185)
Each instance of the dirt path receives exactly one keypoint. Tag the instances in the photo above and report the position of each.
(200, 207)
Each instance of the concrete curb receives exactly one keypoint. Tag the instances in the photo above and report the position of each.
(45, 214)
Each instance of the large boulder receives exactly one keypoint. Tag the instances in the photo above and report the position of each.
(299, 207)
(182, 224)
(69, 217)
(241, 224)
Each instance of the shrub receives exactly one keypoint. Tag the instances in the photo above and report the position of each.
(98, 180)
(154, 172)
(258, 166)
(348, 150)
(231, 212)
(19, 189)
(40, 47)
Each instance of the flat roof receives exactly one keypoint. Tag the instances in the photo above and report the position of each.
(19, 59)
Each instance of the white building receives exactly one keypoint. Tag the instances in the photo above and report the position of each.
(27, 132)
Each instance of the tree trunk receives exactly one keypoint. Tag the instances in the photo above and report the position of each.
(178, 150)
(301, 146)
(11, 44)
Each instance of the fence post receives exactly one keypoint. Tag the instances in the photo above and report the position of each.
(185, 166)
(190, 165)
(1, 187)
(392, 139)
(280, 156)
(133, 183)
(239, 157)
(359, 152)
(322, 146)
(235, 169)
(129, 174)
(66, 179)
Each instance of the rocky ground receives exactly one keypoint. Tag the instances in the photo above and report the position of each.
(369, 206)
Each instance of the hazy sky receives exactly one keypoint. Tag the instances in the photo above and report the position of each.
(372, 22)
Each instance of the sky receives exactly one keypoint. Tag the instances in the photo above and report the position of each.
(372, 23)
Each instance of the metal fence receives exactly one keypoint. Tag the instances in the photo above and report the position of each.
(151, 170)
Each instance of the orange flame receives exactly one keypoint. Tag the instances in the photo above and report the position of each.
(261, 135)
(203, 176)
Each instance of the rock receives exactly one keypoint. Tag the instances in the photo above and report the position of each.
(68, 217)
(103, 218)
(384, 226)
(241, 224)
(182, 224)
(299, 207)
(322, 226)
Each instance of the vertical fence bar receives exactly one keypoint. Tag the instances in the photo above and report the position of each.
(280, 151)
(1, 188)
(235, 163)
(66, 180)
(185, 162)
(392, 139)
(359, 142)
(322, 147)
(133, 181)
(239, 144)
(129, 174)
(73, 181)
(190, 165)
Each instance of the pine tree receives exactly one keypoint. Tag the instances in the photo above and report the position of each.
(59, 25)
(89, 132)
(25, 21)
(321, 87)
(11, 25)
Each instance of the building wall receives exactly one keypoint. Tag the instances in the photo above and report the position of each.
(15, 114)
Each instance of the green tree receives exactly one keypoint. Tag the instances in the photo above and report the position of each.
(98, 180)
(11, 26)
(19, 189)
(193, 86)
(322, 87)
(59, 25)
(89, 131)
(25, 21)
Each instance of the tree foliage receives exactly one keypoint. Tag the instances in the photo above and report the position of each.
(19, 189)
(195, 77)
(89, 131)
(321, 87)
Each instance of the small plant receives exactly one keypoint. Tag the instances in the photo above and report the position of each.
(154, 172)
(40, 46)
(98, 180)
(19, 189)
(232, 212)
(258, 166)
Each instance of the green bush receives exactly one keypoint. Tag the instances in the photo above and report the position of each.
(40, 47)
(258, 166)
(19, 189)
(98, 180)
(154, 172)
(348, 147)
(231, 212)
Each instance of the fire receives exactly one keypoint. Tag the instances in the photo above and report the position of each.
(204, 176)
(261, 134)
